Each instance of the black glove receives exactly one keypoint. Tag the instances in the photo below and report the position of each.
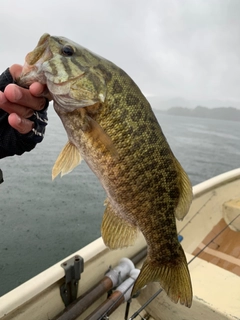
(40, 120)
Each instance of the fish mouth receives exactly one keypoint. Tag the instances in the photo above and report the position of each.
(39, 55)
(39, 52)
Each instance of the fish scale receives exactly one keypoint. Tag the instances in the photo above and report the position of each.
(111, 125)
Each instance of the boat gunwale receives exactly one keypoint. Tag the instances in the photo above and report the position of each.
(215, 182)
(34, 286)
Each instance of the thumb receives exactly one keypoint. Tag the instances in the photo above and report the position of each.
(15, 70)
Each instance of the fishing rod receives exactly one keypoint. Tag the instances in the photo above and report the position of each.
(112, 278)
(120, 295)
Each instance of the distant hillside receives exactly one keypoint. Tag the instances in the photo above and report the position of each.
(160, 103)
(222, 113)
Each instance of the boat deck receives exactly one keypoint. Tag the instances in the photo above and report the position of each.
(224, 251)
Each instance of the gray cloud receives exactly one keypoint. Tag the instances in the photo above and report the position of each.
(186, 48)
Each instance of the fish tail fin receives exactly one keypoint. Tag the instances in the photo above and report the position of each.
(174, 279)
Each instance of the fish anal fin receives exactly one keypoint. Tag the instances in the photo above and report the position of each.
(186, 195)
(67, 160)
(174, 279)
(116, 231)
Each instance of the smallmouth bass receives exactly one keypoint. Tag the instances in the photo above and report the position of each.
(111, 125)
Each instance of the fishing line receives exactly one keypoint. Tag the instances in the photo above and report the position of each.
(218, 234)
(127, 309)
(189, 221)
(160, 290)
(145, 304)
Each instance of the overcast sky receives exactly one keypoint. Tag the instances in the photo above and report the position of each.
(171, 48)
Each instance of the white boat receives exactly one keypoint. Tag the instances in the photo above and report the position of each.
(211, 227)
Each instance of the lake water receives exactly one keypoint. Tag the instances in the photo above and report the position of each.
(41, 221)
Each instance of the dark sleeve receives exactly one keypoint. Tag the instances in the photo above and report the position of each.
(11, 141)
(5, 79)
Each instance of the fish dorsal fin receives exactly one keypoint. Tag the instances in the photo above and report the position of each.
(185, 199)
(67, 160)
(97, 133)
(116, 231)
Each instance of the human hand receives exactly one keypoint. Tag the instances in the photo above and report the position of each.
(21, 103)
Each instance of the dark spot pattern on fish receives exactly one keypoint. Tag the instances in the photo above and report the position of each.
(174, 193)
(131, 99)
(136, 115)
(173, 174)
(117, 88)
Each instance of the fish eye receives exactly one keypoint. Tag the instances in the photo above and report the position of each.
(67, 51)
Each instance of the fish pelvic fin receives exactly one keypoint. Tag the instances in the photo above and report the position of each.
(116, 231)
(67, 160)
(174, 279)
(186, 195)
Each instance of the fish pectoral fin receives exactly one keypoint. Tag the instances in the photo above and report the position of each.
(174, 279)
(97, 133)
(116, 231)
(67, 160)
(186, 195)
